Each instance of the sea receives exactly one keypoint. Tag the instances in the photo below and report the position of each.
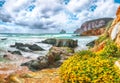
(7, 39)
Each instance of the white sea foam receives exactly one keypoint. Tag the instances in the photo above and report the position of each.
(33, 39)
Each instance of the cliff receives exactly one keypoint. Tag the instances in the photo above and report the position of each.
(114, 31)
(101, 63)
(94, 27)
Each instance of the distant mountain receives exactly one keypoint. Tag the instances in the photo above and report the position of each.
(93, 27)
(62, 31)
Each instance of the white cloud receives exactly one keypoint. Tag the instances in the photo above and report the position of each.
(78, 5)
(52, 15)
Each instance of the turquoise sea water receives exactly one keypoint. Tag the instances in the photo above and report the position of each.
(11, 38)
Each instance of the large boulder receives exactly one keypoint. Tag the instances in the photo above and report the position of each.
(51, 41)
(15, 52)
(19, 44)
(4, 39)
(61, 42)
(59, 54)
(54, 58)
(35, 47)
(91, 44)
(62, 31)
(66, 43)
(40, 63)
(27, 47)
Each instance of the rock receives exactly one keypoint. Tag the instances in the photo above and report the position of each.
(15, 52)
(117, 41)
(10, 56)
(91, 44)
(27, 47)
(118, 16)
(66, 43)
(4, 39)
(43, 76)
(51, 41)
(19, 44)
(114, 30)
(12, 46)
(41, 63)
(62, 31)
(35, 47)
(117, 64)
(59, 53)
(62, 42)
(54, 58)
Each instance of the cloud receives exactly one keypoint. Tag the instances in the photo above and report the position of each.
(78, 5)
(52, 15)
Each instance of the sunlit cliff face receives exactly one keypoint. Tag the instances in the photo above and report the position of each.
(114, 30)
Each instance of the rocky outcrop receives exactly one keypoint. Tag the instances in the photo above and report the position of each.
(40, 63)
(57, 55)
(35, 47)
(93, 27)
(15, 52)
(62, 31)
(51, 41)
(12, 57)
(27, 47)
(114, 31)
(3, 39)
(54, 58)
(91, 44)
(61, 42)
(43, 76)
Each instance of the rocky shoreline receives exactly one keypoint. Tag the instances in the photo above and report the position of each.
(61, 50)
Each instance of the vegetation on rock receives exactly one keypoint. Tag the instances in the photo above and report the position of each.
(87, 67)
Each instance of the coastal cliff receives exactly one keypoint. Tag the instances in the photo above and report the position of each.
(114, 31)
(98, 64)
(94, 27)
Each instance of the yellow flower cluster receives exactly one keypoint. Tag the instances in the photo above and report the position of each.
(87, 67)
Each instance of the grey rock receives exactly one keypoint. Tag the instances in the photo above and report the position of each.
(61, 42)
(15, 52)
(35, 47)
(37, 64)
(51, 41)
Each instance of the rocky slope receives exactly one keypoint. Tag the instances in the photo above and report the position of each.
(114, 31)
(98, 64)
(93, 27)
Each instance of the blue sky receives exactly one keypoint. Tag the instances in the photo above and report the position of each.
(117, 1)
(48, 16)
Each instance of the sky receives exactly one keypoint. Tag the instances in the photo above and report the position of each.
(50, 16)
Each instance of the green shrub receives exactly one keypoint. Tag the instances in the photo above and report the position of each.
(110, 50)
(102, 38)
(85, 69)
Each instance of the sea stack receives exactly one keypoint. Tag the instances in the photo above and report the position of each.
(62, 31)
